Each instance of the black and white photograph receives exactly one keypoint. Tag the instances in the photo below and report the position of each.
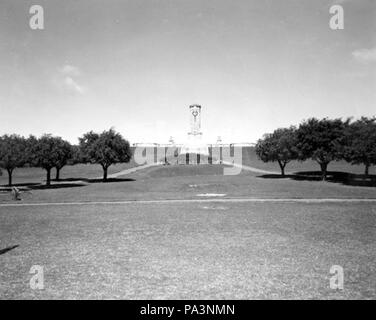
(187, 150)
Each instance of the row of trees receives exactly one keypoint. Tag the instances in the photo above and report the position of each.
(323, 141)
(49, 152)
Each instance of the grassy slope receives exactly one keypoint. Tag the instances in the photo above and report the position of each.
(35, 175)
(187, 182)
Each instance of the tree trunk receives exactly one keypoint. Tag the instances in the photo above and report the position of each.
(366, 171)
(105, 173)
(48, 182)
(324, 167)
(282, 166)
(10, 171)
(57, 174)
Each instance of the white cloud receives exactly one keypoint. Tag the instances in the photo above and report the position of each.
(70, 70)
(72, 84)
(68, 75)
(365, 55)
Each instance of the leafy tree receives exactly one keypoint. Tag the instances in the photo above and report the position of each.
(322, 141)
(76, 155)
(13, 153)
(45, 153)
(279, 146)
(361, 143)
(64, 154)
(106, 148)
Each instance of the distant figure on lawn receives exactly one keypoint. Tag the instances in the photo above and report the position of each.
(16, 194)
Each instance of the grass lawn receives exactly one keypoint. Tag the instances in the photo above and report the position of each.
(176, 251)
(188, 249)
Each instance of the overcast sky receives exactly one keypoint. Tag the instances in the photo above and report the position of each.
(137, 65)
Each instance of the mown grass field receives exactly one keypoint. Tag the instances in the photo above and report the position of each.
(174, 250)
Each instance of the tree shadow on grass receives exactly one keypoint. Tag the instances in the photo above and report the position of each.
(87, 180)
(5, 250)
(25, 188)
(345, 178)
(110, 180)
(275, 176)
(57, 186)
(61, 184)
(27, 184)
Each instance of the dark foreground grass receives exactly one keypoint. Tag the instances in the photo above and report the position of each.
(203, 251)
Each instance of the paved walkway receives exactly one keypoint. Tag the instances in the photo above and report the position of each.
(248, 168)
(174, 201)
(130, 170)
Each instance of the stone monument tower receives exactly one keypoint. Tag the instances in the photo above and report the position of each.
(195, 119)
(194, 144)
